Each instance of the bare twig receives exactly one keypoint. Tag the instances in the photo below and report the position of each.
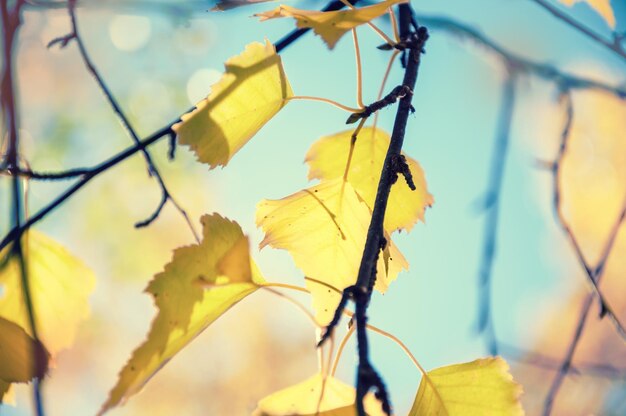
(492, 208)
(152, 169)
(11, 22)
(367, 377)
(521, 64)
(614, 45)
(594, 274)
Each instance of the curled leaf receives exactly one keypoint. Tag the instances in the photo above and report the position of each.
(252, 90)
(332, 25)
(186, 308)
(21, 357)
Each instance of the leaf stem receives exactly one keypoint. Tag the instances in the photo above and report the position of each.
(327, 101)
(359, 71)
(372, 25)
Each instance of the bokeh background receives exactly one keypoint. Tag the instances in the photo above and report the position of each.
(159, 58)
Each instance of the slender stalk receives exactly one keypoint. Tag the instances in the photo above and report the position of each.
(11, 22)
(327, 101)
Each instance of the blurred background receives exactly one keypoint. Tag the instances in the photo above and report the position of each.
(161, 57)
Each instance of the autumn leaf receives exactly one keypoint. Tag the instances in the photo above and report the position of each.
(251, 91)
(480, 387)
(603, 7)
(5, 389)
(60, 285)
(331, 26)
(186, 308)
(327, 159)
(303, 399)
(334, 220)
(17, 350)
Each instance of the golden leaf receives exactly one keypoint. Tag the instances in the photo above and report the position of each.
(327, 159)
(481, 387)
(60, 286)
(603, 7)
(304, 399)
(17, 350)
(331, 26)
(334, 220)
(186, 308)
(253, 89)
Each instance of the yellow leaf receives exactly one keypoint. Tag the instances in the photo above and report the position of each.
(477, 388)
(603, 7)
(331, 26)
(186, 308)
(60, 286)
(17, 350)
(253, 89)
(334, 220)
(7, 393)
(327, 159)
(304, 398)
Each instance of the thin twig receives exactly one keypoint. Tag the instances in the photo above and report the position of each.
(492, 208)
(521, 64)
(11, 22)
(594, 274)
(614, 45)
(152, 169)
(367, 377)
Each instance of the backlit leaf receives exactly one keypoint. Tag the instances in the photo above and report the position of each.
(603, 7)
(251, 91)
(334, 220)
(186, 308)
(477, 388)
(17, 350)
(60, 286)
(327, 159)
(331, 26)
(5, 393)
(304, 398)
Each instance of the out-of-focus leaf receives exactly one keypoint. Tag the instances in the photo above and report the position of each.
(335, 221)
(231, 4)
(60, 286)
(331, 26)
(327, 159)
(17, 350)
(303, 399)
(5, 393)
(185, 307)
(477, 388)
(603, 7)
(251, 91)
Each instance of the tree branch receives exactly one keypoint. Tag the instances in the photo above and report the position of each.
(614, 46)
(522, 65)
(492, 207)
(11, 22)
(361, 292)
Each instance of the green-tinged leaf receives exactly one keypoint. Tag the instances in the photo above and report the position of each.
(185, 307)
(334, 220)
(21, 357)
(331, 26)
(327, 159)
(603, 7)
(478, 388)
(303, 399)
(60, 285)
(251, 91)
